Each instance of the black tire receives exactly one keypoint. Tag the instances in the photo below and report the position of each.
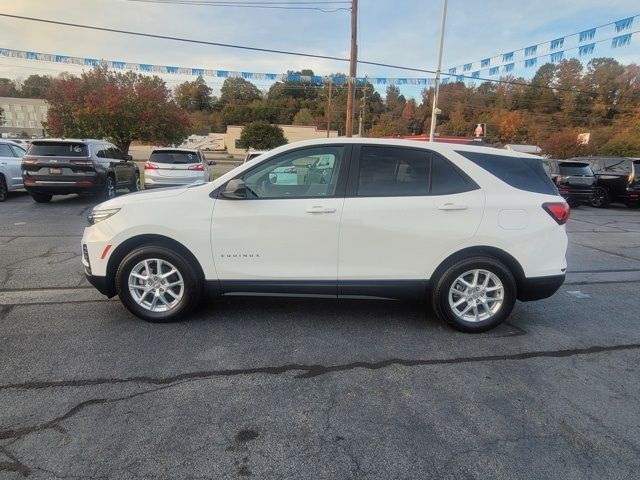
(41, 197)
(192, 284)
(4, 191)
(600, 198)
(135, 186)
(440, 295)
(109, 189)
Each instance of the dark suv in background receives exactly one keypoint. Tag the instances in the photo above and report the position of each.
(60, 167)
(617, 180)
(575, 180)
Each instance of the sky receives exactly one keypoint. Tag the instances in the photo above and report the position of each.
(398, 32)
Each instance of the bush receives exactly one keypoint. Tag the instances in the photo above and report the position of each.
(261, 136)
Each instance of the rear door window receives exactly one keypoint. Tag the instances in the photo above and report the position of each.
(523, 173)
(392, 171)
(174, 157)
(5, 150)
(58, 149)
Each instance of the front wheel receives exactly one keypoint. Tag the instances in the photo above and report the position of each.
(109, 191)
(157, 284)
(4, 191)
(475, 294)
(600, 198)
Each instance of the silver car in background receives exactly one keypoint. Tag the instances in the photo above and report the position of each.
(168, 167)
(10, 169)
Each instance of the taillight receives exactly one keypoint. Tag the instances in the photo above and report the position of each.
(199, 167)
(559, 211)
(29, 161)
(150, 166)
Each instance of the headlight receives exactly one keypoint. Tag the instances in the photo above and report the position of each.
(97, 216)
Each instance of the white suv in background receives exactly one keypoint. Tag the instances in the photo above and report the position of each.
(470, 228)
(10, 171)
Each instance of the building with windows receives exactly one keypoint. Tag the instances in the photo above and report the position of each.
(23, 115)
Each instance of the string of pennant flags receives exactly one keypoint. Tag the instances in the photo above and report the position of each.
(553, 51)
(204, 72)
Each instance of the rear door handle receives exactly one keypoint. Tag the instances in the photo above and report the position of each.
(452, 206)
(320, 209)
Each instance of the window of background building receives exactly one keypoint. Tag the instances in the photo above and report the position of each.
(32, 124)
(19, 123)
(30, 108)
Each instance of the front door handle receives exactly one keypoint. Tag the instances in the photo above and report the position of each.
(320, 209)
(452, 206)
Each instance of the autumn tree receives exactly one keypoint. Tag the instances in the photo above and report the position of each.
(238, 91)
(563, 145)
(261, 135)
(122, 107)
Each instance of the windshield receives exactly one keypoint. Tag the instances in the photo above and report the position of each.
(570, 168)
(58, 149)
(174, 157)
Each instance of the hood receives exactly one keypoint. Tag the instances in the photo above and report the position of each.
(142, 196)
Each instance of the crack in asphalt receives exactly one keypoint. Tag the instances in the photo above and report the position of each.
(606, 251)
(311, 371)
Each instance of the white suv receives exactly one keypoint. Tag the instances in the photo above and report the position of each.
(471, 228)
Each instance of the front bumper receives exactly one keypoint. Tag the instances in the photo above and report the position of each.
(101, 284)
(537, 288)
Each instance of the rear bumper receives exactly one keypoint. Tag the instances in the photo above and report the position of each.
(577, 195)
(61, 187)
(537, 288)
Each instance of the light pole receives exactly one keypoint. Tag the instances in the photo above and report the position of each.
(436, 89)
(353, 62)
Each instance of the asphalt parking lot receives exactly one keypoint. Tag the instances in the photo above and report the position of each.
(314, 389)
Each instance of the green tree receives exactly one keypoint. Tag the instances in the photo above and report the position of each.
(194, 96)
(8, 88)
(237, 90)
(261, 135)
(119, 106)
(304, 117)
(35, 86)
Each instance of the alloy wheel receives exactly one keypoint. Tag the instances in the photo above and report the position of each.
(476, 295)
(156, 285)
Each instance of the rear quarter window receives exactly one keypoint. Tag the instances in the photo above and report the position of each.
(58, 149)
(522, 173)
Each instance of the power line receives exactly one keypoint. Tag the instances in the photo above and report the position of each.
(283, 52)
(264, 5)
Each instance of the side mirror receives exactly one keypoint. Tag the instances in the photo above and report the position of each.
(234, 189)
(128, 158)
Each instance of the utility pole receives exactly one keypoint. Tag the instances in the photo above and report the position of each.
(436, 89)
(329, 107)
(362, 107)
(353, 62)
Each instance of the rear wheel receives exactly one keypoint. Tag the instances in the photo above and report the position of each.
(4, 191)
(135, 186)
(600, 198)
(109, 187)
(41, 197)
(475, 294)
(157, 284)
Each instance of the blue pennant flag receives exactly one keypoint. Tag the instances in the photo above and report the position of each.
(624, 24)
(222, 73)
(532, 50)
(445, 80)
(621, 40)
(459, 78)
(467, 67)
(508, 67)
(270, 76)
(530, 62)
(452, 70)
(475, 74)
(556, 57)
(494, 71)
(339, 80)
(586, 49)
(197, 72)
(587, 35)
(91, 62)
(118, 65)
(61, 59)
(557, 43)
(317, 80)
(171, 69)
(247, 75)
(485, 63)
(507, 57)
(145, 67)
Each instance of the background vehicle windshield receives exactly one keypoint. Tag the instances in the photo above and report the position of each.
(174, 157)
(58, 149)
(570, 168)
